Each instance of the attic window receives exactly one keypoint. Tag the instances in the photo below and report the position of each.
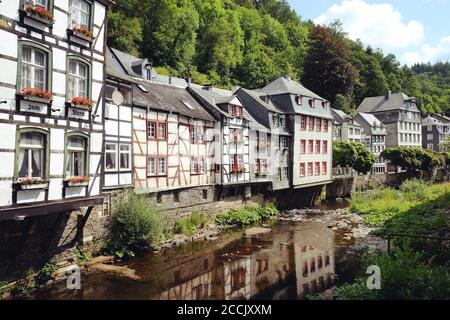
(324, 104)
(311, 103)
(299, 100)
(143, 89)
(187, 104)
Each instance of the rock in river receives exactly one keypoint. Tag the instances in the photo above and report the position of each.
(253, 232)
(117, 270)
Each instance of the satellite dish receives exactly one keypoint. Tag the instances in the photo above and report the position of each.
(117, 97)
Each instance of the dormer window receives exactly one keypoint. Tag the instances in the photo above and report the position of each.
(148, 74)
(236, 111)
(276, 121)
(283, 121)
(311, 103)
(324, 104)
(298, 99)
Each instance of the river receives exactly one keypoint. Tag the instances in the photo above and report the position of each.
(296, 259)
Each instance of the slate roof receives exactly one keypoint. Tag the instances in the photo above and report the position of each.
(339, 115)
(284, 85)
(370, 119)
(396, 101)
(431, 121)
(168, 98)
(214, 99)
(258, 96)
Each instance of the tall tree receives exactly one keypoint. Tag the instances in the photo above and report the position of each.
(327, 69)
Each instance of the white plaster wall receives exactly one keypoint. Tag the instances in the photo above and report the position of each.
(61, 23)
(59, 59)
(57, 139)
(96, 142)
(125, 129)
(63, 4)
(56, 164)
(10, 8)
(9, 43)
(8, 136)
(7, 165)
(55, 189)
(111, 111)
(5, 193)
(125, 113)
(30, 196)
(59, 83)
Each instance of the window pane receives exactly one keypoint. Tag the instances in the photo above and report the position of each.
(26, 54)
(39, 58)
(23, 163)
(32, 139)
(111, 147)
(36, 163)
(110, 160)
(76, 143)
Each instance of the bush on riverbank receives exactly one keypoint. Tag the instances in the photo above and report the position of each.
(405, 275)
(248, 215)
(135, 224)
(189, 225)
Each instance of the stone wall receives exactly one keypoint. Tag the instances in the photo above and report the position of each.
(345, 187)
(34, 241)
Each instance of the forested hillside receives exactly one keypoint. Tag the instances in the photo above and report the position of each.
(251, 42)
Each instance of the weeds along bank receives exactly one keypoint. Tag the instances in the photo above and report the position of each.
(415, 268)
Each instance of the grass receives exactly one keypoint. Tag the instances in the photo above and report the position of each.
(189, 225)
(248, 215)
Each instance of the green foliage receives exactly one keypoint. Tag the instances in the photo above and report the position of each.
(189, 225)
(354, 155)
(327, 69)
(342, 103)
(414, 190)
(405, 275)
(46, 273)
(125, 33)
(83, 255)
(413, 159)
(248, 215)
(135, 224)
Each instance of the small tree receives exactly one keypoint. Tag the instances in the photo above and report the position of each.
(364, 159)
(354, 155)
(135, 224)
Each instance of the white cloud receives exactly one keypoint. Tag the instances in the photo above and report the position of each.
(428, 53)
(379, 25)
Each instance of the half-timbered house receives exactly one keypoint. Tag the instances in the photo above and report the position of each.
(172, 137)
(51, 111)
(232, 149)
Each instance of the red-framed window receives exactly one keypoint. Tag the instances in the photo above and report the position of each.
(198, 165)
(156, 166)
(303, 123)
(197, 134)
(324, 168)
(311, 146)
(156, 130)
(325, 126)
(302, 146)
(302, 169)
(318, 124)
(311, 123)
(318, 146)
(310, 169)
(325, 147)
(236, 110)
(317, 165)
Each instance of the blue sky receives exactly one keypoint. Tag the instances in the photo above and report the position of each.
(414, 30)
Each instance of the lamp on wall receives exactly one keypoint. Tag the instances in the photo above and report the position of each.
(55, 110)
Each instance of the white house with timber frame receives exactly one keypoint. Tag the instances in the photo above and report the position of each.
(51, 111)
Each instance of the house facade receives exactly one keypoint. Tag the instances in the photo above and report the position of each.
(345, 127)
(51, 115)
(374, 138)
(270, 136)
(400, 115)
(434, 132)
(231, 136)
(171, 136)
(311, 131)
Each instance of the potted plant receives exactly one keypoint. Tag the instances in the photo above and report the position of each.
(39, 13)
(82, 181)
(36, 95)
(32, 183)
(81, 103)
(82, 32)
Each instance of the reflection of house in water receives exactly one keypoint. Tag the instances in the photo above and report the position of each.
(282, 265)
(314, 264)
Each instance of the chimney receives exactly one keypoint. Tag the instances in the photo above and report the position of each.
(388, 94)
(170, 79)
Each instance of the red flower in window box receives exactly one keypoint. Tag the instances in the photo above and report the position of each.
(37, 93)
(83, 31)
(78, 179)
(40, 11)
(82, 101)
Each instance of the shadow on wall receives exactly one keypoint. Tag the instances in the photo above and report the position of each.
(34, 241)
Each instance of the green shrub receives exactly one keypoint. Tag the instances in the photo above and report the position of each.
(414, 190)
(46, 273)
(135, 224)
(189, 225)
(405, 275)
(248, 215)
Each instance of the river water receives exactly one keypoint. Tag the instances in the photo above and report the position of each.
(297, 259)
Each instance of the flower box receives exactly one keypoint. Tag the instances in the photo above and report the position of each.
(38, 14)
(81, 33)
(36, 95)
(32, 184)
(81, 103)
(77, 182)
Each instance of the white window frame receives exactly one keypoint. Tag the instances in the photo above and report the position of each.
(76, 91)
(116, 156)
(33, 67)
(121, 152)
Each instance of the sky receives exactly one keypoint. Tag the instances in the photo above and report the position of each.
(414, 30)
